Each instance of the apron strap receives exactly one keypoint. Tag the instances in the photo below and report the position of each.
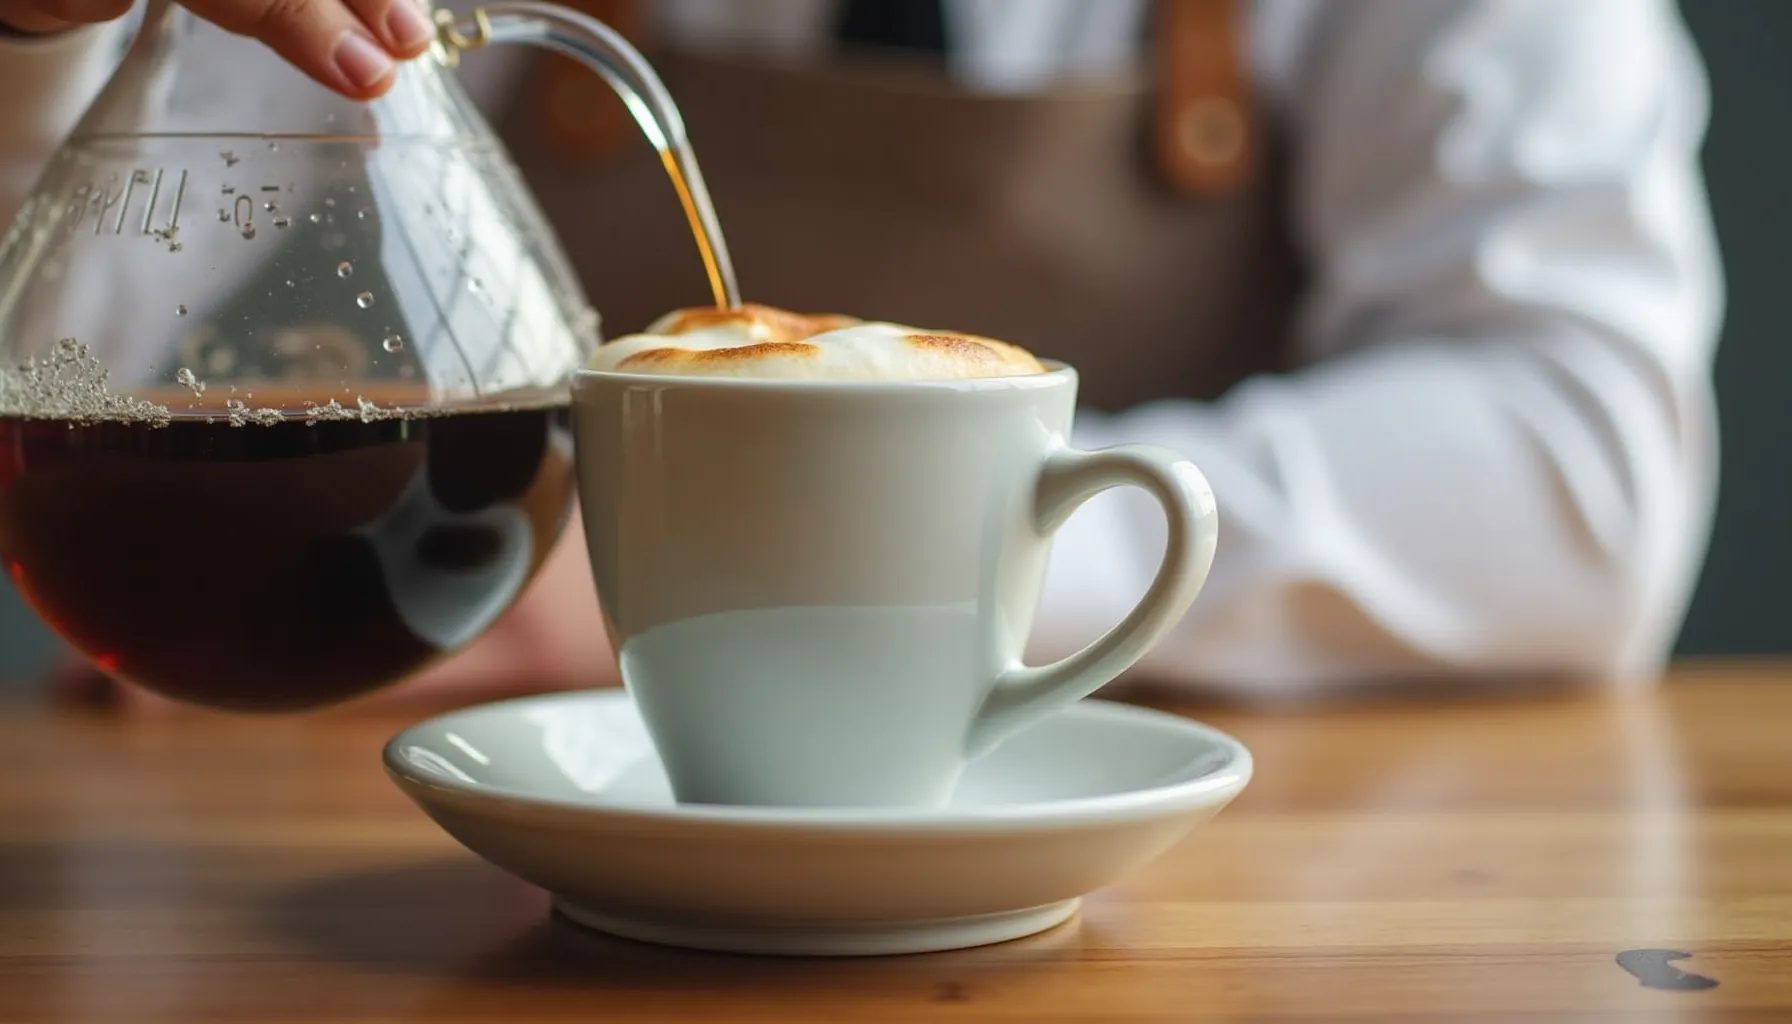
(1204, 130)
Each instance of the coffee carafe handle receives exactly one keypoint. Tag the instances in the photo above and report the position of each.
(1067, 480)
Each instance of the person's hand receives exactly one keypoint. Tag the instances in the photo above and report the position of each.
(348, 45)
(553, 639)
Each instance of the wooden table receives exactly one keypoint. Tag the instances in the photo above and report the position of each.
(1482, 859)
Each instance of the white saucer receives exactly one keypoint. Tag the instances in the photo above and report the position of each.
(564, 791)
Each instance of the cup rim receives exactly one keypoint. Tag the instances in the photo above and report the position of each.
(1055, 374)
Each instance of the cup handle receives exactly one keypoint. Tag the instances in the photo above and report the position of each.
(1068, 479)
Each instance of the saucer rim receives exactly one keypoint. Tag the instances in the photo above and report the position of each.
(1216, 787)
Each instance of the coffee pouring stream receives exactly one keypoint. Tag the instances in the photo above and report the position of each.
(603, 50)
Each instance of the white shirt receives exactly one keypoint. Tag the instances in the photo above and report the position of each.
(1499, 457)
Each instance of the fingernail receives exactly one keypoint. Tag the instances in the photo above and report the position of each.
(407, 26)
(360, 60)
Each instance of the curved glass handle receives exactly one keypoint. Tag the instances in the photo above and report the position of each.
(603, 50)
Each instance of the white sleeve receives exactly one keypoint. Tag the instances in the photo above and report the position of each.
(1499, 457)
(45, 84)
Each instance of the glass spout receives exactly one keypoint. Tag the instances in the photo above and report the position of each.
(603, 50)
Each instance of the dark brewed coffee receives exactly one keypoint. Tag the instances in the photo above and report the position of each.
(279, 566)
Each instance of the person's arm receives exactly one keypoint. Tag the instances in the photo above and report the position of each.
(1499, 459)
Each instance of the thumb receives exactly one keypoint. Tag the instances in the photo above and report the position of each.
(348, 45)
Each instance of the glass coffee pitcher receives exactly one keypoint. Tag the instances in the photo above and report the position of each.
(283, 376)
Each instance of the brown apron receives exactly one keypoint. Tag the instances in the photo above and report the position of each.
(1133, 228)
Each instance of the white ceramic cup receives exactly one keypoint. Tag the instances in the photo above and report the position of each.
(819, 592)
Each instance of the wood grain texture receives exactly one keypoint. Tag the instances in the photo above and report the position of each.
(1476, 859)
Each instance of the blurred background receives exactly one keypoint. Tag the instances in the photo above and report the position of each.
(1744, 597)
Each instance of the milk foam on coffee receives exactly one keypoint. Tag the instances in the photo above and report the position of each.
(762, 342)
